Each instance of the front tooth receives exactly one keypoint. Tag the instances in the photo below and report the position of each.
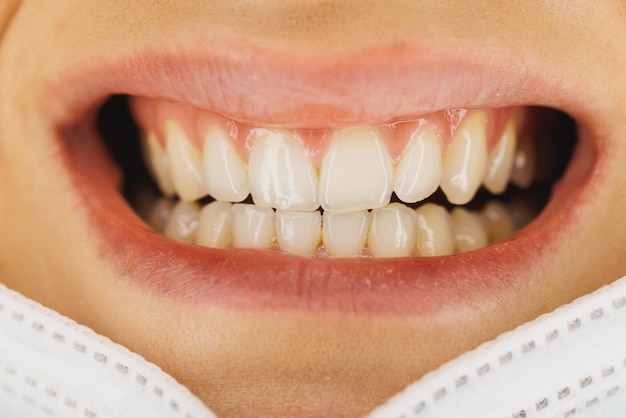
(344, 234)
(214, 225)
(357, 172)
(500, 162)
(435, 235)
(298, 232)
(465, 161)
(225, 173)
(185, 163)
(419, 170)
(524, 164)
(252, 226)
(469, 231)
(183, 222)
(393, 231)
(280, 173)
(159, 164)
(498, 221)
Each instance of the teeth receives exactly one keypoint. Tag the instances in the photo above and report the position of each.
(498, 221)
(183, 222)
(465, 161)
(435, 234)
(185, 164)
(469, 231)
(214, 225)
(344, 234)
(357, 172)
(281, 175)
(298, 232)
(393, 231)
(419, 170)
(524, 163)
(252, 226)
(500, 162)
(158, 163)
(160, 214)
(225, 173)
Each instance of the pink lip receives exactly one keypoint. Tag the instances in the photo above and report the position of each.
(253, 85)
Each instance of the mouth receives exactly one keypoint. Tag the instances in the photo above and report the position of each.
(404, 208)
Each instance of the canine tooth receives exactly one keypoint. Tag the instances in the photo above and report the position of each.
(185, 163)
(183, 222)
(280, 173)
(419, 170)
(524, 163)
(357, 171)
(298, 232)
(469, 231)
(344, 234)
(498, 221)
(465, 161)
(501, 159)
(393, 231)
(158, 163)
(225, 173)
(252, 226)
(214, 225)
(435, 234)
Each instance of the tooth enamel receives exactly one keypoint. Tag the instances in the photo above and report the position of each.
(183, 222)
(158, 163)
(393, 231)
(524, 163)
(500, 162)
(298, 232)
(214, 225)
(225, 173)
(498, 221)
(435, 234)
(159, 215)
(344, 234)
(357, 172)
(465, 161)
(185, 164)
(419, 170)
(469, 231)
(252, 226)
(280, 173)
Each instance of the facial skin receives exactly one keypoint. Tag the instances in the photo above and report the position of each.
(246, 357)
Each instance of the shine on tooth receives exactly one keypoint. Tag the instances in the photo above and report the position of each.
(344, 234)
(393, 231)
(357, 171)
(465, 160)
(183, 222)
(501, 159)
(158, 163)
(185, 163)
(435, 234)
(214, 225)
(524, 163)
(280, 173)
(418, 173)
(498, 221)
(298, 232)
(252, 226)
(469, 230)
(225, 172)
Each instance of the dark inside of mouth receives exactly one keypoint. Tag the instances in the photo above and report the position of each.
(556, 134)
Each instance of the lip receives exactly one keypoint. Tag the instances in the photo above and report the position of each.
(324, 92)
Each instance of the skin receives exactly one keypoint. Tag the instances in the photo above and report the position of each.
(279, 363)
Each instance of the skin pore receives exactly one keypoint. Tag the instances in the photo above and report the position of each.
(241, 357)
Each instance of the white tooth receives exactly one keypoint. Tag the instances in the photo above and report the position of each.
(280, 173)
(158, 163)
(214, 225)
(252, 226)
(524, 164)
(393, 231)
(185, 163)
(469, 230)
(344, 234)
(465, 160)
(500, 162)
(225, 173)
(357, 172)
(435, 235)
(498, 221)
(419, 170)
(159, 215)
(298, 232)
(183, 222)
